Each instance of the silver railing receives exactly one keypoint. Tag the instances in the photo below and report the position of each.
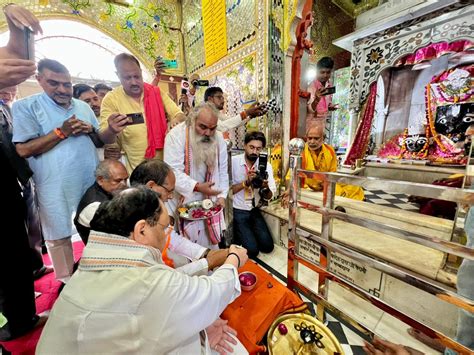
(324, 240)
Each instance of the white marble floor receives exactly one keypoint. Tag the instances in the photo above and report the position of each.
(383, 324)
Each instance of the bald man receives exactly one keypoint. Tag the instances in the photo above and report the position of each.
(110, 178)
(321, 157)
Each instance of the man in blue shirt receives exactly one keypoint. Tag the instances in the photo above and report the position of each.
(58, 135)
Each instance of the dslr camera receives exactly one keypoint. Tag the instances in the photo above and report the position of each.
(257, 181)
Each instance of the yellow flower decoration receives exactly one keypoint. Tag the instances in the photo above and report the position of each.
(43, 2)
(103, 17)
(118, 27)
(155, 35)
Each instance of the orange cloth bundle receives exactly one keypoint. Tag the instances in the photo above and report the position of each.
(252, 314)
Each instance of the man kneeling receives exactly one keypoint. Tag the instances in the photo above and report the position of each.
(253, 185)
(123, 299)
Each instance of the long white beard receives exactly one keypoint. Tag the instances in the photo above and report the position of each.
(203, 152)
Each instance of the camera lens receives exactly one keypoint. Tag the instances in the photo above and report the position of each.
(257, 182)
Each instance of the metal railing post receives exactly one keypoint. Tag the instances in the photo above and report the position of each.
(296, 147)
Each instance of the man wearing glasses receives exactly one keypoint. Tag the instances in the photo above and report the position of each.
(110, 178)
(215, 95)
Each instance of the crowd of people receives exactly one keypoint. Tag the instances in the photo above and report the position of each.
(125, 205)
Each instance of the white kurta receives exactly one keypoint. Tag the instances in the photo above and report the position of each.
(239, 175)
(174, 155)
(134, 305)
(227, 123)
(178, 245)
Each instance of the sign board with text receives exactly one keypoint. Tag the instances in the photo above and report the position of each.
(356, 273)
(215, 30)
(309, 250)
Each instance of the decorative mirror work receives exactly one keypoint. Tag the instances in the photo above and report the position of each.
(242, 73)
(146, 28)
(283, 14)
(373, 54)
(276, 79)
(239, 82)
(340, 118)
(330, 23)
(242, 19)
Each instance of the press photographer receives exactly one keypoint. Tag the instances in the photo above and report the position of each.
(253, 187)
(188, 92)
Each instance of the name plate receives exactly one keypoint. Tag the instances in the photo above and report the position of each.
(369, 279)
(309, 250)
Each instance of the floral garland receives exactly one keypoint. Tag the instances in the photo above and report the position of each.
(450, 95)
(421, 154)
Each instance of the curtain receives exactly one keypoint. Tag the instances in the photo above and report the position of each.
(362, 136)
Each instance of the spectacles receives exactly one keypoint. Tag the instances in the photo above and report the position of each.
(167, 190)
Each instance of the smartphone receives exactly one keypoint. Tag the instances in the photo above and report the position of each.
(329, 91)
(29, 39)
(135, 118)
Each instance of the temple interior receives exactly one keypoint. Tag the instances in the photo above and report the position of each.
(377, 246)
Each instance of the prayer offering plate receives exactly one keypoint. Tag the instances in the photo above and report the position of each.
(300, 333)
(199, 210)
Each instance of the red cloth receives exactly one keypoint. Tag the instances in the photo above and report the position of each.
(48, 286)
(361, 140)
(253, 312)
(156, 125)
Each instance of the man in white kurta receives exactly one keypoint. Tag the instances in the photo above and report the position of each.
(123, 299)
(198, 155)
(215, 95)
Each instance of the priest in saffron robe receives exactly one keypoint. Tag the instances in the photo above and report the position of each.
(197, 153)
(321, 157)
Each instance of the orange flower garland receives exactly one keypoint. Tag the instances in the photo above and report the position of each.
(422, 154)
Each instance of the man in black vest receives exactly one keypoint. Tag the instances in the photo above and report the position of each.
(110, 178)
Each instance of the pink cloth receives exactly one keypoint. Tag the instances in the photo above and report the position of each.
(434, 50)
(322, 109)
(48, 286)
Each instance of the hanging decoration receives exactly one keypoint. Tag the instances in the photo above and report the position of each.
(146, 28)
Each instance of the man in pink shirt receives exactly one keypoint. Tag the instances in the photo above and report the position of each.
(319, 103)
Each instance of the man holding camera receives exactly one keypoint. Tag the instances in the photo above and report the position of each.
(254, 186)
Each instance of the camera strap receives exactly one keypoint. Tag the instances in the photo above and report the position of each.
(248, 191)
